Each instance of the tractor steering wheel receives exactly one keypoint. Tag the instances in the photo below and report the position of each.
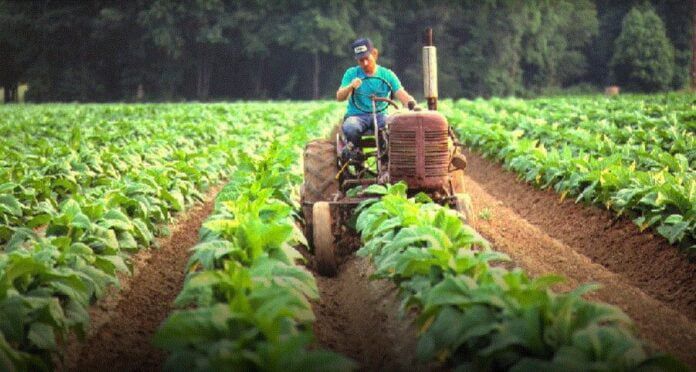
(373, 86)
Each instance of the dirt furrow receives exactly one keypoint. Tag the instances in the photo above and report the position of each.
(359, 318)
(645, 260)
(123, 323)
(538, 253)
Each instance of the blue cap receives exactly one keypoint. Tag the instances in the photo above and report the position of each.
(361, 47)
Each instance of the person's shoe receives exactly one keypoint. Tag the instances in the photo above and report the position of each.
(352, 154)
(346, 153)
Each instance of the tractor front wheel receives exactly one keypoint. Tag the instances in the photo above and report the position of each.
(323, 239)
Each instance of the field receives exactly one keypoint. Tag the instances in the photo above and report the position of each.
(168, 236)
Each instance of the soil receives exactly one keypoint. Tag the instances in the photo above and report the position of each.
(123, 322)
(360, 318)
(651, 281)
(643, 259)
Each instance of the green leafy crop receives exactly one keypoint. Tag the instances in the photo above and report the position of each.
(83, 186)
(475, 315)
(245, 304)
(634, 154)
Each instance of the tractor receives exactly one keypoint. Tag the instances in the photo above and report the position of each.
(416, 147)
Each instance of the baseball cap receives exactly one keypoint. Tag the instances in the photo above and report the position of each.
(361, 47)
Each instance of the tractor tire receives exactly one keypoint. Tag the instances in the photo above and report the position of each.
(320, 184)
(320, 168)
(323, 239)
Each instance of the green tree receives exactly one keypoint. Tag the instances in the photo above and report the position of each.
(643, 55)
(491, 54)
(191, 34)
(555, 37)
(317, 31)
(13, 34)
(677, 16)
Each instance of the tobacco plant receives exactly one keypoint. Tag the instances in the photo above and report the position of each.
(83, 186)
(635, 154)
(476, 315)
(246, 303)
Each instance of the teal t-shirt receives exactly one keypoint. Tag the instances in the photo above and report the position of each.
(378, 87)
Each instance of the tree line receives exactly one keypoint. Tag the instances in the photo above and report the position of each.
(107, 50)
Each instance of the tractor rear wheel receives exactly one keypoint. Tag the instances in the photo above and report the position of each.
(323, 239)
(320, 168)
(320, 184)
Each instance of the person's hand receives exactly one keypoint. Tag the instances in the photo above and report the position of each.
(356, 83)
(413, 106)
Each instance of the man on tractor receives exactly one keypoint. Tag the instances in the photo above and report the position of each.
(360, 83)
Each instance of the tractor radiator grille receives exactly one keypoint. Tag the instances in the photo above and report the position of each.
(402, 154)
(436, 154)
(419, 152)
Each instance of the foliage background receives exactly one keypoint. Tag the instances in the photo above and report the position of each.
(105, 50)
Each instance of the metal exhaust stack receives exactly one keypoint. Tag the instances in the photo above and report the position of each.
(429, 69)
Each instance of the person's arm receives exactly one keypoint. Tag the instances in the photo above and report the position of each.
(343, 92)
(406, 99)
(400, 93)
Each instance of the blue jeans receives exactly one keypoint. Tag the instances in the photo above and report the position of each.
(355, 126)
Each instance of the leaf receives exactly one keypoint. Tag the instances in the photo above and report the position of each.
(208, 253)
(118, 262)
(141, 231)
(39, 220)
(20, 236)
(375, 189)
(175, 198)
(41, 335)
(193, 327)
(222, 226)
(70, 208)
(7, 187)
(81, 221)
(114, 218)
(441, 335)
(10, 204)
(673, 232)
(126, 240)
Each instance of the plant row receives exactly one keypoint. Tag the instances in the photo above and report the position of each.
(83, 186)
(245, 304)
(634, 155)
(476, 315)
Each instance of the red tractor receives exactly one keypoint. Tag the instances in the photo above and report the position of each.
(416, 147)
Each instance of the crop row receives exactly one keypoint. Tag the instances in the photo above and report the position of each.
(245, 304)
(634, 155)
(82, 186)
(474, 314)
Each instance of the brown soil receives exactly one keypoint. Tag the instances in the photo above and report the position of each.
(359, 318)
(643, 259)
(649, 280)
(123, 323)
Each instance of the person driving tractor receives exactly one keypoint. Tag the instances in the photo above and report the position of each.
(360, 83)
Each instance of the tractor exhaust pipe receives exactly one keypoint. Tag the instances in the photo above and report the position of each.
(429, 69)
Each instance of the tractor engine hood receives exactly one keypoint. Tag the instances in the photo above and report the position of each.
(419, 149)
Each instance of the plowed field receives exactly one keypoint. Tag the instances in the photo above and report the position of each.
(361, 318)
